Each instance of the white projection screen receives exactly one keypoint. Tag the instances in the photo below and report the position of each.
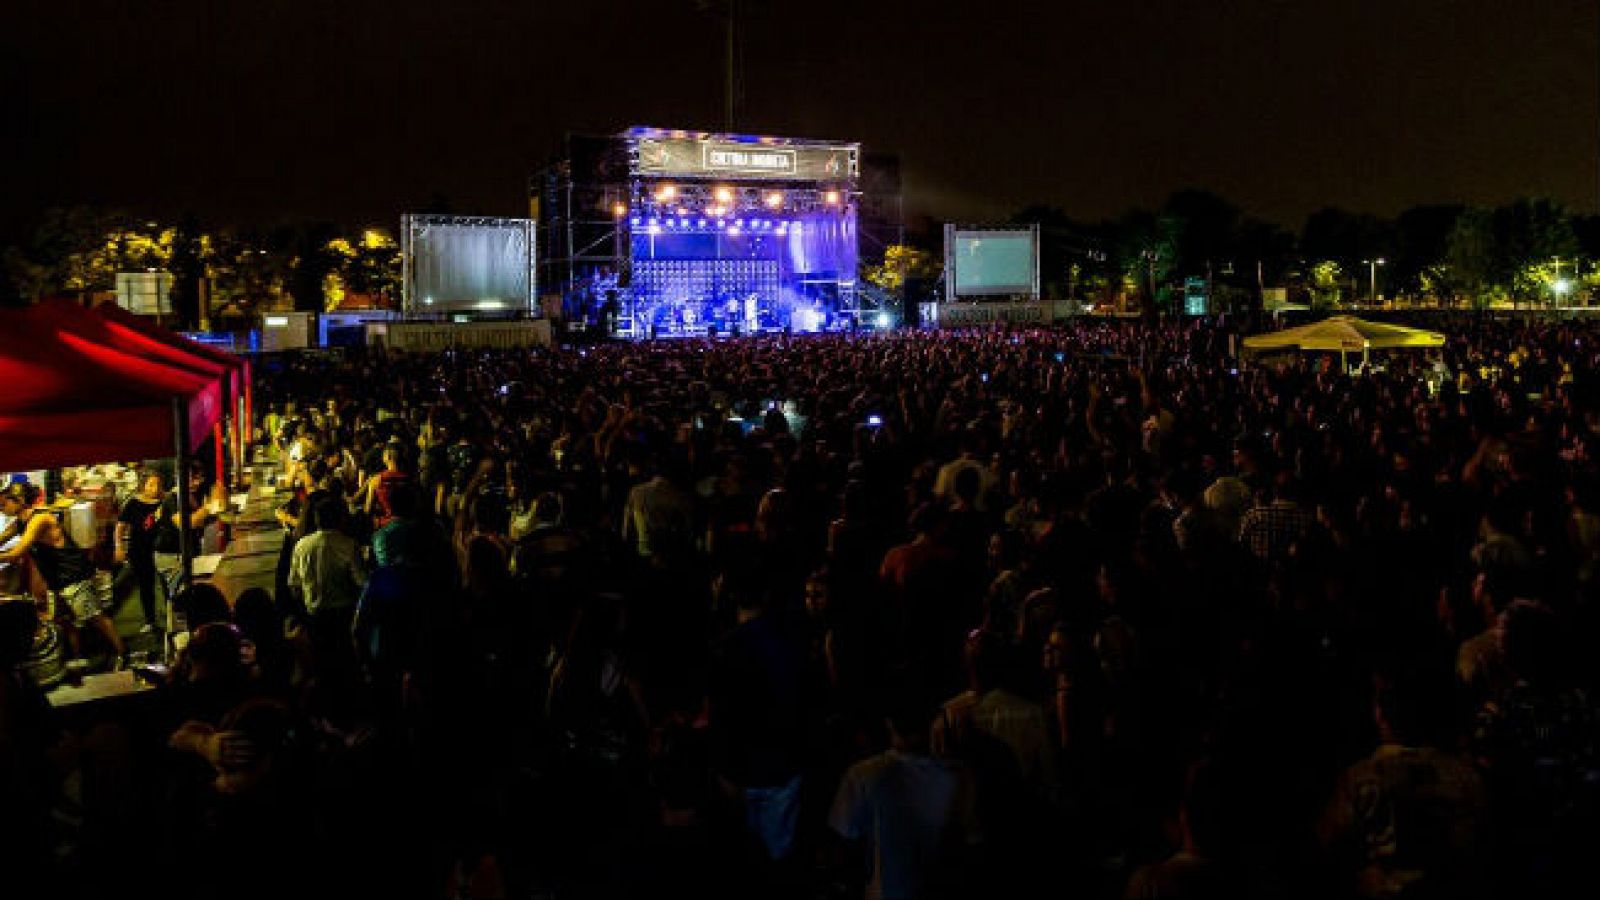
(992, 262)
(468, 264)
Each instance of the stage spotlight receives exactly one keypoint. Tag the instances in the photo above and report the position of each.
(723, 195)
(620, 210)
(665, 192)
(738, 223)
(831, 198)
(774, 200)
(634, 221)
(654, 228)
(884, 321)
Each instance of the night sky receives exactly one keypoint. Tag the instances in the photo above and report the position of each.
(359, 110)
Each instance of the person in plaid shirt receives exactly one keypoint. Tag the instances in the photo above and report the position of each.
(1270, 529)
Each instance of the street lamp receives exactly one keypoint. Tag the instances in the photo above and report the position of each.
(1559, 285)
(1372, 265)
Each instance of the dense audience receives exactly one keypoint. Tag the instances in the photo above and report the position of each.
(1098, 611)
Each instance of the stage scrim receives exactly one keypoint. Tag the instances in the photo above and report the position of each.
(468, 264)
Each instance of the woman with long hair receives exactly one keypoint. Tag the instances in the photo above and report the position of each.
(137, 525)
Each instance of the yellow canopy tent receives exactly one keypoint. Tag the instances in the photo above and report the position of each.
(1343, 334)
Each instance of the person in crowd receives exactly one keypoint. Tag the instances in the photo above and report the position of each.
(326, 575)
(1196, 870)
(1538, 744)
(1480, 662)
(409, 538)
(138, 523)
(685, 614)
(266, 650)
(656, 511)
(28, 734)
(167, 545)
(83, 591)
(909, 815)
(922, 578)
(1271, 529)
(755, 705)
(996, 706)
(1412, 818)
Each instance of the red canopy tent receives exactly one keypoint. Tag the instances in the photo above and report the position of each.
(120, 320)
(130, 329)
(75, 394)
(79, 391)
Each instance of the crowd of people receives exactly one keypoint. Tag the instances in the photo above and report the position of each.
(1098, 610)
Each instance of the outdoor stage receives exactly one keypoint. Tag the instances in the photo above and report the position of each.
(703, 234)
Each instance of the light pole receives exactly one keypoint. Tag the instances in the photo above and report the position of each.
(1372, 265)
(1559, 285)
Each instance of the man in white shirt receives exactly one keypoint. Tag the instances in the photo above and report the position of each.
(326, 574)
(944, 484)
(656, 511)
(908, 809)
(325, 569)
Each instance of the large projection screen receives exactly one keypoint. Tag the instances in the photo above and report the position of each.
(468, 264)
(992, 262)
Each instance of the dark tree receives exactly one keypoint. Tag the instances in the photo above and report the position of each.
(1422, 240)
(187, 266)
(310, 263)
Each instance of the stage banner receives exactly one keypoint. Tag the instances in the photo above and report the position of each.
(964, 315)
(711, 158)
(425, 336)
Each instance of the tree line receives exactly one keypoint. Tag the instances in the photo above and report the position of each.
(1526, 252)
(311, 266)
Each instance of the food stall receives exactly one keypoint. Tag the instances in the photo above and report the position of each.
(82, 392)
